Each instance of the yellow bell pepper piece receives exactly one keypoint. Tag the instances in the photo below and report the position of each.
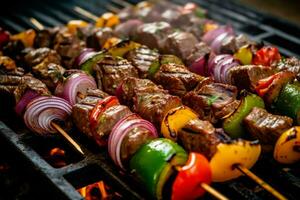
(121, 48)
(287, 148)
(210, 27)
(27, 37)
(175, 119)
(107, 20)
(239, 152)
(111, 42)
(244, 55)
(74, 24)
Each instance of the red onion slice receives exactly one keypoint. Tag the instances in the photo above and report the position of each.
(75, 84)
(83, 56)
(210, 36)
(199, 66)
(213, 63)
(43, 110)
(26, 98)
(119, 132)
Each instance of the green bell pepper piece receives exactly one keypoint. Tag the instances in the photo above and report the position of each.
(233, 125)
(288, 101)
(152, 163)
(164, 59)
(87, 66)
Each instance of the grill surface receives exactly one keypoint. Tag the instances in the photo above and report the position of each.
(96, 165)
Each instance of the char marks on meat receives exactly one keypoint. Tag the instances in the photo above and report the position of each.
(212, 101)
(199, 136)
(247, 76)
(110, 72)
(142, 58)
(265, 126)
(290, 64)
(45, 37)
(177, 79)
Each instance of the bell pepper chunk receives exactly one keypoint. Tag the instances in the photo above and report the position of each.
(87, 66)
(287, 148)
(73, 25)
(233, 125)
(244, 55)
(175, 119)
(152, 162)
(123, 47)
(228, 155)
(27, 37)
(187, 184)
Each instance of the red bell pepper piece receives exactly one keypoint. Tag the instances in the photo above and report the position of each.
(263, 85)
(187, 184)
(266, 56)
(101, 106)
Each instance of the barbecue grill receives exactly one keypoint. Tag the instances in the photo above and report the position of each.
(96, 165)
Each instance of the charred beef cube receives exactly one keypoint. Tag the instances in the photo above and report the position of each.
(110, 72)
(107, 120)
(212, 101)
(180, 44)
(133, 141)
(177, 79)
(142, 58)
(44, 63)
(45, 37)
(40, 55)
(265, 126)
(98, 36)
(247, 76)
(200, 50)
(199, 136)
(154, 106)
(68, 46)
(153, 35)
(131, 86)
(290, 64)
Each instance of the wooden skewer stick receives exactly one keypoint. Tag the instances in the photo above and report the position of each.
(40, 26)
(213, 192)
(67, 137)
(85, 13)
(259, 181)
(36, 23)
(122, 3)
(112, 8)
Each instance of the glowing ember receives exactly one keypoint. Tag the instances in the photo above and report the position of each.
(57, 157)
(98, 191)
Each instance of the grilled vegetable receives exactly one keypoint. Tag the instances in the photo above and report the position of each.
(175, 119)
(92, 59)
(108, 19)
(73, 25)
(266, 56)
(288, 101)
(27, 37)
(228, 156)
(244, 55)
(121, 48)
(187, 184)
(154, 163)
(233, 125)
(287, 148)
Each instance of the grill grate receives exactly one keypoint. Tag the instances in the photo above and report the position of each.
(96, 165)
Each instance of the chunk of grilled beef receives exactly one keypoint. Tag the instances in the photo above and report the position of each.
(133, 141)
(247, 76)
(68, 46)
(199, 51)
(131, 86)
(96, 37)
(141, 58)
(180, 44)
(199, 136)
(290, 64)
(177, 79)
(14, 49)
(45, 37)
(110, 72)
(232, 44)
(107, 120)
(154, 106)
(44, 64)
(153, 34)
(82, 110)
(212, 101)
(128, 28)
(265, 126)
